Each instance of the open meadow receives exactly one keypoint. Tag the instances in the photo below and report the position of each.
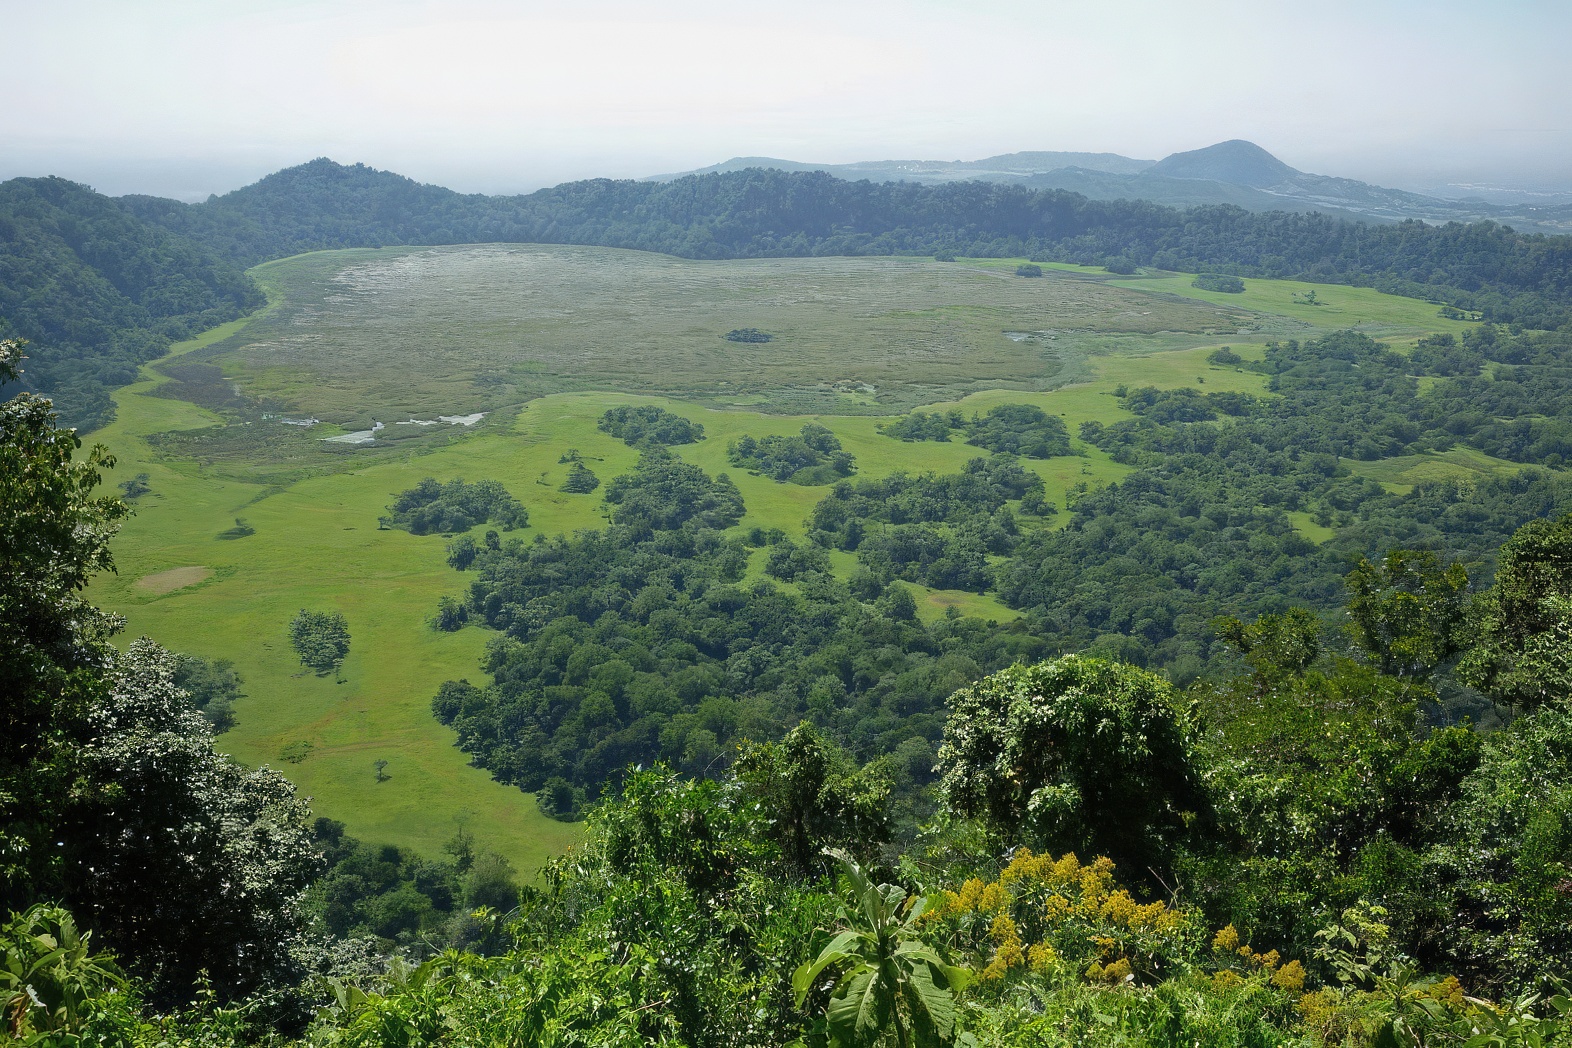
(543, 340)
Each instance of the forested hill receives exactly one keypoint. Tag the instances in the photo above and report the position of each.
(100, 285)
(757, 213)
(98, 291)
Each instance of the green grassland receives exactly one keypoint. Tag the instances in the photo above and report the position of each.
(1402, 473)
(545, 339)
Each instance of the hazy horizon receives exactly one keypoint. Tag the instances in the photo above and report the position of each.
(180, 98)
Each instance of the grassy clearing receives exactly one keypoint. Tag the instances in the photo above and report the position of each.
(1304, 523)
(314, 512)
(1402, 473)
(1341, 307)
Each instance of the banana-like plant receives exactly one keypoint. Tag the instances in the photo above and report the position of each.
(888, 982)
(51, 983)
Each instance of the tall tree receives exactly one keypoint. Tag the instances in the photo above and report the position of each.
(1523, 655)
(112, 800)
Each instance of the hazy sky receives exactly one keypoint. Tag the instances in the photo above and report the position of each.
(186, 97)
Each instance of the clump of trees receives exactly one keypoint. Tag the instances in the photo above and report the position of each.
(645, 423)
(748, 335)
(937, 529)
(581, 480)
(1224, 282)
(320, 638)
(1028, 269)
(814, 456)
(1014, 429)
(212, 688)
(432, 507)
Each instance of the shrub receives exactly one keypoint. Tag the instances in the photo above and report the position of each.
(431, 507)
(320, 638)
(1223, 282)
(747, 335)
(1225, 356)
(1028, 269)
(812, 457)
(646, 423)
(581, 481)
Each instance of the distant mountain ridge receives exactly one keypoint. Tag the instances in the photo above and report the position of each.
(1233, 172)
(102, 285)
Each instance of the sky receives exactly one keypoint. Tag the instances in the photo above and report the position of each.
(189, 97)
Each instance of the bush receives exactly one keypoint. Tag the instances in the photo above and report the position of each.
(1223, 282)
(1122, 266)
(747, 335)
(1020, 429)
(1224, 356)
(581, 481)
(920, 425)
(431, 507)
(1028, 269)
(812, 457)
(647, 423)
(212, 687)
(320, 638)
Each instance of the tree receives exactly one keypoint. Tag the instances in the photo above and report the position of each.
(112, 800)
(1407, 610)
(581, 480)
(54, 535)
(1077, 753)
(888, 981)
(813, 797)
(1274, 646)
(1523, 654)
(320, 638)
(184, 860)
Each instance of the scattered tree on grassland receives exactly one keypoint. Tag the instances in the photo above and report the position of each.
(320, 638)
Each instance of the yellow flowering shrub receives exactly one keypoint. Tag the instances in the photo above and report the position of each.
(1290, 977)
(1044, 913)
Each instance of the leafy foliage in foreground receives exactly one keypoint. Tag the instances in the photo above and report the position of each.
(1035, 751)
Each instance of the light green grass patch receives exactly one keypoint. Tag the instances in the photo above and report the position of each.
(1305, 524)
(1342, 307)
(1403, 473)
